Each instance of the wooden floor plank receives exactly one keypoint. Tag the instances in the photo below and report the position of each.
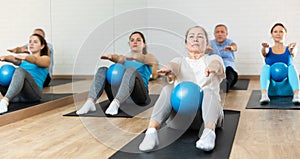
(260, 134)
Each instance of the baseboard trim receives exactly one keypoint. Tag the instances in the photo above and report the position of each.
(248, 77)
(88, 77)
(92, 76)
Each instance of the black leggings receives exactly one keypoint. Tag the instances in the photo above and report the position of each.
(47, 81)
(231, 76)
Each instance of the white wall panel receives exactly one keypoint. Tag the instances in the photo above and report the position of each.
(81, 30)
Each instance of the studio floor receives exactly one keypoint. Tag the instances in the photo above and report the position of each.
(261, 133)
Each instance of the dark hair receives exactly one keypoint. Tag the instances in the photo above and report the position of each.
(44, 51)
(187, 32)
(278, 24)
(144, 40)
(221, 25)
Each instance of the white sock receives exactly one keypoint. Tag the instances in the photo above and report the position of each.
(113, 108)
(264, 98)
(3, 106)
(207, 140)
(88, 106)
(150, 140)
(296, 98)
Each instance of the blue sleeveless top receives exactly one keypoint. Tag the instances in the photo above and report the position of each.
(144, 70)
(272, 58)
(39, 74)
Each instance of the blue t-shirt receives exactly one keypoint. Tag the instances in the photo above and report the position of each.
(50, 47)
(39, 74)
(227, 56)
(144, 70)
(272, 58)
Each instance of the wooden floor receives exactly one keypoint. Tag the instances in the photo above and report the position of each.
(262, 134)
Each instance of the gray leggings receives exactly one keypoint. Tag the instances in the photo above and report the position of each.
(211, 103)
(22, 88)
(132, 85)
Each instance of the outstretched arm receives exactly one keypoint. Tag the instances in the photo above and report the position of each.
(292, 49)
(231, 47)
(170, 71)
(42, 61)
(114, 58)
(265, 49)
(21, 49)
(214, 67)
(11, 59)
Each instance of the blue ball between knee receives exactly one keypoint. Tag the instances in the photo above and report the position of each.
(115, 74)
(6, 74)
(186, 98)
(279, 71)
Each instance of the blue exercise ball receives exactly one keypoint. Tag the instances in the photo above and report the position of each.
(115, 74)
(6, 74)
(186, 98)
(279, 71)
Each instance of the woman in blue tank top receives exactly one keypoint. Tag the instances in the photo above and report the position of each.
(139, 67)
(279, 52)
(27, 82)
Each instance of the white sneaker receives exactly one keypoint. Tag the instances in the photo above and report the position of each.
(264, 99)
(296, 99)
(207, 140)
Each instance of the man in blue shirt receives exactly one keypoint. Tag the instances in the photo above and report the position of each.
(225, 47)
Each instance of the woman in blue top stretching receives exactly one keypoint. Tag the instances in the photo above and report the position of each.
(279, 53)
(135, 80)
(27, 81)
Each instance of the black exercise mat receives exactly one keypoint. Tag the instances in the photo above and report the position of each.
(45, 98)
(184, 147)
(59, 81)
(241, 84)
(276, 102)
(127, 109)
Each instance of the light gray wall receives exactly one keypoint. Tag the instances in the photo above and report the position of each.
(82, 30)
